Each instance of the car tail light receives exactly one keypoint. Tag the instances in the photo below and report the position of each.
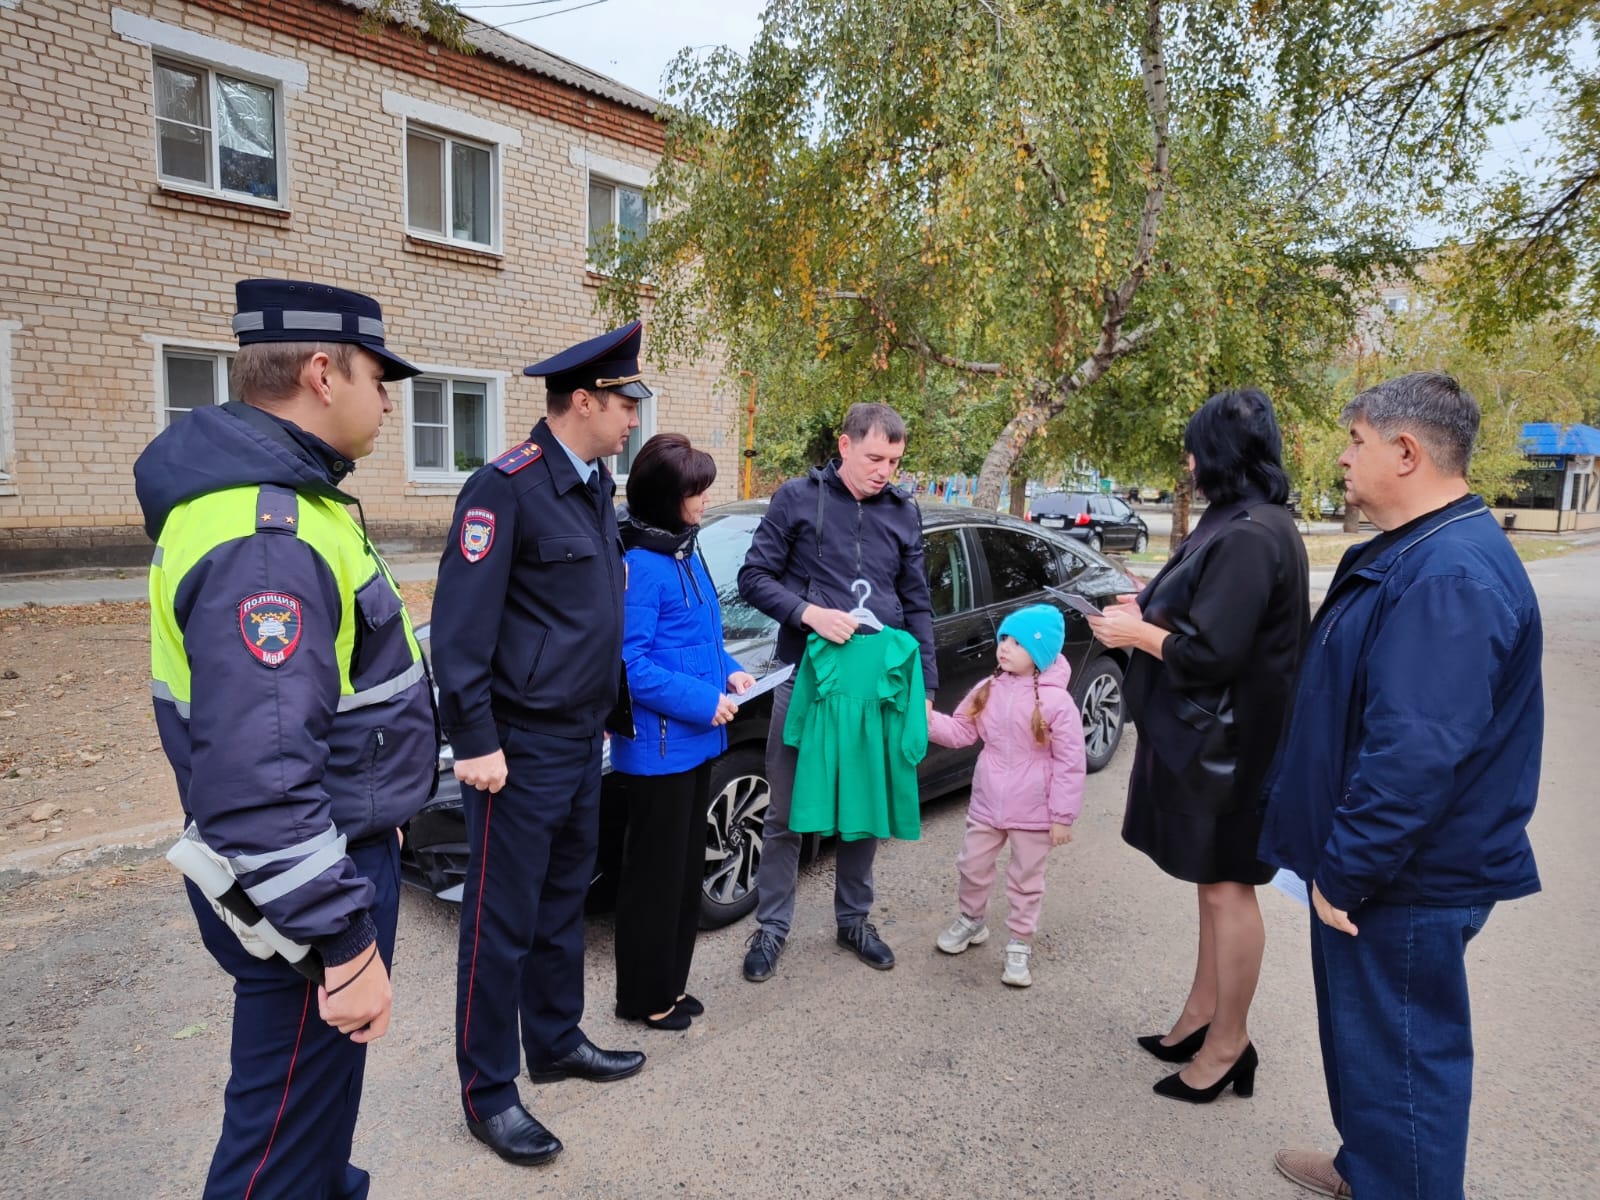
(1083, 519)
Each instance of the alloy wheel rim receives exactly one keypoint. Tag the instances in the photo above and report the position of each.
(1102, 706)
(733, 838)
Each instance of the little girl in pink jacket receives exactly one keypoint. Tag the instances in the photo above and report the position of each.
(1028, 786)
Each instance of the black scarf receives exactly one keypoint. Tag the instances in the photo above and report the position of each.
(637, 534)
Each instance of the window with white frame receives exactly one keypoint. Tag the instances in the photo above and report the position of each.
(191, 379)
(451, 186)
(618, 214)
(453, 422)
(218, 132)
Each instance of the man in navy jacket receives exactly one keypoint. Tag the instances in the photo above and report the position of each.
(1403, 789)
(821, 533)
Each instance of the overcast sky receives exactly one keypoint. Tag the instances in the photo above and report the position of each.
(629, 40)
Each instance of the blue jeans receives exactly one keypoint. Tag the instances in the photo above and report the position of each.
(1396, 1028)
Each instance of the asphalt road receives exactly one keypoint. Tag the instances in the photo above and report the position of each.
(928, 1081)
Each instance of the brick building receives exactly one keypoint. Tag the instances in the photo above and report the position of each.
(154, 151)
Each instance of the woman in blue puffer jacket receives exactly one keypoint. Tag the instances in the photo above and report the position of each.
(679, 675)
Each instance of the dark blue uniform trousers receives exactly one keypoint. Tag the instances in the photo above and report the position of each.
(532, 850)
(290, 1107)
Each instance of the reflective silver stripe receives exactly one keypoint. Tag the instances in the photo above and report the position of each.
(297, 319)
(370, 326)
(162, 691)
(246, 322)
(298, 875)
(383, 691)
(155, 559)
(254, 862)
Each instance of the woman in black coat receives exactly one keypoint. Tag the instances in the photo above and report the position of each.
(1217, 635)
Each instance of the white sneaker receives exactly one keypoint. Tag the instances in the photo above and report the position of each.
(1016, 972)
(963, 932)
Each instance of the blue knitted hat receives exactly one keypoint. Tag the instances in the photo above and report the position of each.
(1039, 629)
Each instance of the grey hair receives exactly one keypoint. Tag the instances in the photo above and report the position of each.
(1429, 405)
(862, 419)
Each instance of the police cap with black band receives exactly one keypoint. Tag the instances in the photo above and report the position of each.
(292, 310)
(608, 363)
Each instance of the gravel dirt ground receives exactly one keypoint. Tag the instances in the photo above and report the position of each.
(931, 1081)
(79, 755)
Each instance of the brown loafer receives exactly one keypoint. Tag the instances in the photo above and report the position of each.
(1312, 1170)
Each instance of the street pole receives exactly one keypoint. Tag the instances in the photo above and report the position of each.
(750, 439)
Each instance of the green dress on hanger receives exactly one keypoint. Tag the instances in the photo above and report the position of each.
(859, 720)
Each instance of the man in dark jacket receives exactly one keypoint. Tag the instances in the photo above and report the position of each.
(292, 701)
(527, 634)
(820, 533)
(1404, 787)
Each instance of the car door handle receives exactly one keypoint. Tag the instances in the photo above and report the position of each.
(974, 648)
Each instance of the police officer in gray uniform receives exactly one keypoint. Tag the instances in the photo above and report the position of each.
(527, 637)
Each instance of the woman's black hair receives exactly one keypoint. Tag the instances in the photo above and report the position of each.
(666, 472)
(1237, 448)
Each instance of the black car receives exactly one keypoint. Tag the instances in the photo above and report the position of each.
(981, 566)
(1104, 521)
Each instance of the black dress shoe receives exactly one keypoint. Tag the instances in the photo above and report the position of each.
(869, 947)
(1178, 1051)
(516, 1137)
(588, 1061)
(761, 960)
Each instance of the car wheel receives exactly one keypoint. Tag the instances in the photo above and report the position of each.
(1099, 698)
(1140, 542)
(738, 809)
(1094, 540)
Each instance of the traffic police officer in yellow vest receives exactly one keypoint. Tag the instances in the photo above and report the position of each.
(527, 635)
(294, 706)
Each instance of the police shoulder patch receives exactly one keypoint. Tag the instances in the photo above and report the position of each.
(514, 459)
(477, 533)
(269, 622)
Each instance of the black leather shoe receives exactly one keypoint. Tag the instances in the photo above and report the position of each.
(516, 1137)
(869, 947)
(761, 960)
(588, 1061)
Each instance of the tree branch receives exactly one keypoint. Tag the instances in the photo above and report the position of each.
(912, 340)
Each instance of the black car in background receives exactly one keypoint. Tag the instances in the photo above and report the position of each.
(1103, 521)
(981, 566)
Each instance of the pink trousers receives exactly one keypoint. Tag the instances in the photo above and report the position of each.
(980, 851)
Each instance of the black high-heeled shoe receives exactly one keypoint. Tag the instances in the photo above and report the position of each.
(1242, 1075)
(1179, 1051)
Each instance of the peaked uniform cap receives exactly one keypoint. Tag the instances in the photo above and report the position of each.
(293, 310)
(608, 363)
(1039, 629)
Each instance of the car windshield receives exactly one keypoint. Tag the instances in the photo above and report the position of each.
(724, 540)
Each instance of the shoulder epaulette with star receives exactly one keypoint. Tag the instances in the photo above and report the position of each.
(514, 459)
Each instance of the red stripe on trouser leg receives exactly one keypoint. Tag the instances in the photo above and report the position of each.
(472, 975)
(284, 1103)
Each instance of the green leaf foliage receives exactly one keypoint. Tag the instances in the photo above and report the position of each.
(1041, 229)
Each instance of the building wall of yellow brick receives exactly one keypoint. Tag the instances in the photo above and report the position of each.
(101, 265)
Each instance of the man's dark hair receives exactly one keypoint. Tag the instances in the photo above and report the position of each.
(862, 419)
(1237, 448)
(557, 403)
(666, 472)
(1429, 405)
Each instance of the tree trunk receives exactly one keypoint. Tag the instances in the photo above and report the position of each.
(1182, 495)
(1019, 493)
(1352, 519)
(1047, 398)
